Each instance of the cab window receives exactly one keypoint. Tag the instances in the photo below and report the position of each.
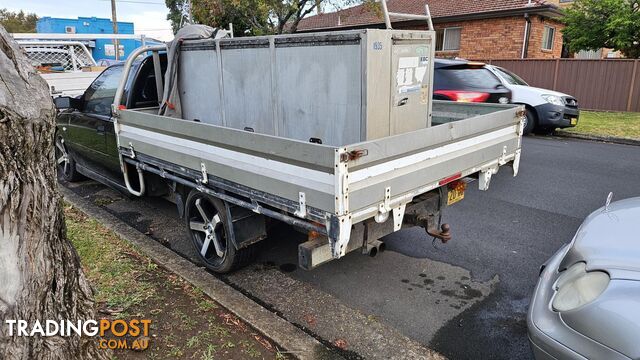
(510, 77)
(99, 96)
(145, 92)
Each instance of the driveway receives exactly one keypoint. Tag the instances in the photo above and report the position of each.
(466, 299)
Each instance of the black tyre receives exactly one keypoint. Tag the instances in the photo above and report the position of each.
(529, 122)
(66, 165)
(206, 219)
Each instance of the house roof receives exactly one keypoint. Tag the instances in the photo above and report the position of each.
(367, 14)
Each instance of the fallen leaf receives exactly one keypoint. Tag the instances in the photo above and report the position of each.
(310, 319)
(340, 343)
(264, 342)
(233, 321)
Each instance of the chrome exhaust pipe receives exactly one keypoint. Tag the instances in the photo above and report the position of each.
(375, 247)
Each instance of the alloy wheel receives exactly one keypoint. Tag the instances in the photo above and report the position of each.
(208, 231)
(62, 158)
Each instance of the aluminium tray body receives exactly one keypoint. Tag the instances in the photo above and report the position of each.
(352, 181)
(336, 88)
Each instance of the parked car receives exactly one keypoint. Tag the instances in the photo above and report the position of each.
(467, 81)
(546, 109)
(587, 301)
(86, 140)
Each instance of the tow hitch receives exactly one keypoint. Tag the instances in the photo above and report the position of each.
(444, 234)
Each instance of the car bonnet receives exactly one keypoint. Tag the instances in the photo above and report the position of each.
(546, 91)
(609, 240)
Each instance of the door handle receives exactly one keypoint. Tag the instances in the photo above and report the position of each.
(100, 129)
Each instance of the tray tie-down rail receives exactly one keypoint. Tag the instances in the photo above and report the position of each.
(223, 191)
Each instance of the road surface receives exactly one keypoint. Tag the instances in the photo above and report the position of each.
(466, 299)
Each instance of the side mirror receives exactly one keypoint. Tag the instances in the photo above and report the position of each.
(65, 102)
(62, 102)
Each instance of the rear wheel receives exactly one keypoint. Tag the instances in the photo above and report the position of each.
(208, 228)
(65, 163)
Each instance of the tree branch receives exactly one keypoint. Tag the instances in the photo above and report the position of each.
(294, 26)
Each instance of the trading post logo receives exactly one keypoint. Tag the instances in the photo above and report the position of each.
(114, 334)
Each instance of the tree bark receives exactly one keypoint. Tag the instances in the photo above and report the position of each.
(40, 273)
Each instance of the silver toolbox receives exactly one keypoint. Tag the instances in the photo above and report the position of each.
(337, 88)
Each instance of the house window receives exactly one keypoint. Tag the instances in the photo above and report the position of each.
(548, 37)
(448, 39)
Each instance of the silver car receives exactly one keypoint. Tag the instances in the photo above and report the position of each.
(587, 301)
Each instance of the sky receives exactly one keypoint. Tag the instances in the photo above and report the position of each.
(149, 16)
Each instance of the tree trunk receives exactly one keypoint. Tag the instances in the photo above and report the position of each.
(40, 274)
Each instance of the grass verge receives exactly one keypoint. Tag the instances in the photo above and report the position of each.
(616, 124)
(185, 323)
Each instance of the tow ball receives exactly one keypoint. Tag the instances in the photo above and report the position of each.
(444, 234)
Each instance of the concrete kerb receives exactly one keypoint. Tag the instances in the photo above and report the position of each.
(609, 139)
(287, 336)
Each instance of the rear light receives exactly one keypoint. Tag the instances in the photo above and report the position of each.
(450, 179)
(464, 96)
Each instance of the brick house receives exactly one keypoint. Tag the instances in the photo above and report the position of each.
(472, 29)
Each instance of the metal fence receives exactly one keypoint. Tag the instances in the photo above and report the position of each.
(61, 55)
(597, 84)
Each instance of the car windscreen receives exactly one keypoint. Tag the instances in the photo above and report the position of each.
(510, 77)
(465, 77)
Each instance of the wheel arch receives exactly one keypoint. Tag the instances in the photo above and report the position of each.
(534, 112)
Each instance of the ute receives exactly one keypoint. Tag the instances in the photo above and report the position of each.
(333, 133)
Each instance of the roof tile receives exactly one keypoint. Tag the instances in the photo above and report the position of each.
(366, 14)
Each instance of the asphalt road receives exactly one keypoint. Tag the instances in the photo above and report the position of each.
(466, 299)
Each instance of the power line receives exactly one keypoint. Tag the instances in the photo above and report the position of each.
(139, 2)
(167, 29)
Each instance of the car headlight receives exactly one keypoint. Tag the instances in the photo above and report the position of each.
(553, 99)
(577, 287)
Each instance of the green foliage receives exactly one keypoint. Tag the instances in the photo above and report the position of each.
(249, 17)
(594, 24)
(175, 13)
(252, 17)
(18, 22)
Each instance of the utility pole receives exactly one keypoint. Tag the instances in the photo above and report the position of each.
(187, 15)
(114, 20)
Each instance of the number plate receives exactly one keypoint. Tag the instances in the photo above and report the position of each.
(456, 194)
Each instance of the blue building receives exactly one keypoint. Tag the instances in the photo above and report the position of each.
(100, 48)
